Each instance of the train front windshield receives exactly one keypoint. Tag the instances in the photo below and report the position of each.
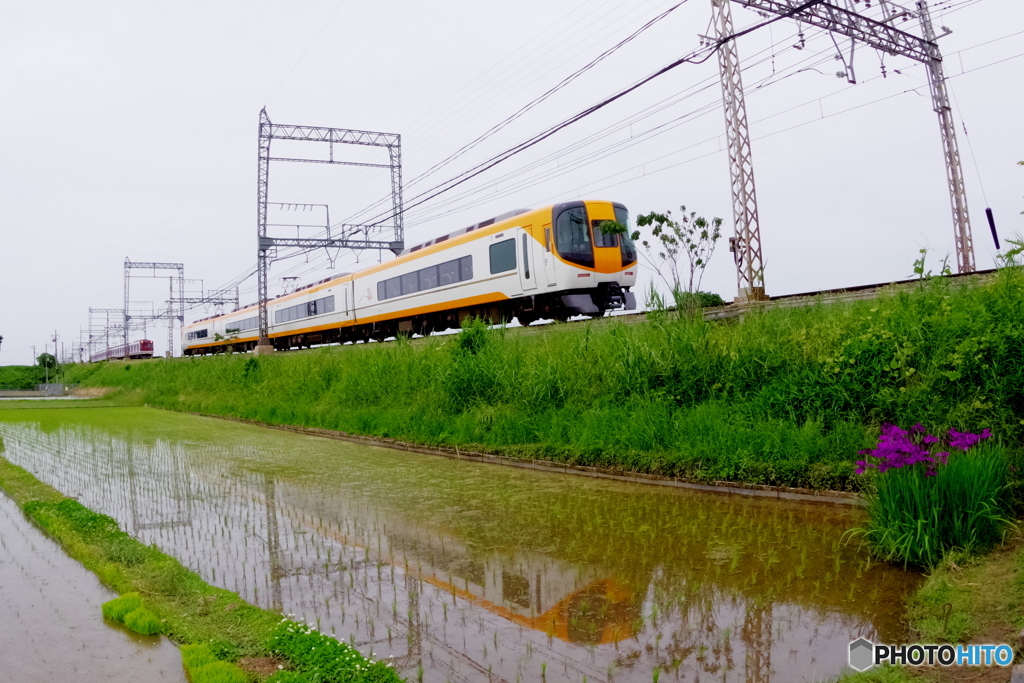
(572, 236)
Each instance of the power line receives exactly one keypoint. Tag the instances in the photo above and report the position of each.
(499, 158)
(696, 57)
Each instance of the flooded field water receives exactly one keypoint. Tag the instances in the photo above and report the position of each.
(51, 628)
(469, 572)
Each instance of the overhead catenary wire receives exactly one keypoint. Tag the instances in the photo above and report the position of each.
(299, 252)
(467, 107)
(1000, 61)
(774, 133)
(698, 56)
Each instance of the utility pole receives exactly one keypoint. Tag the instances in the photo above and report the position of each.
(56, 360)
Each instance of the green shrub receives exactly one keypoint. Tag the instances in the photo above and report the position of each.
(118, 608)
(143, 621)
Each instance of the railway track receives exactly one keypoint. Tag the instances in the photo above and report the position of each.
(730, 310)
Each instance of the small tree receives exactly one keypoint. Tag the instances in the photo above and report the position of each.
(47, 360)
(693, 237)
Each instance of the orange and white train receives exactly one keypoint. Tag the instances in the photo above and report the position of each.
(551, 263)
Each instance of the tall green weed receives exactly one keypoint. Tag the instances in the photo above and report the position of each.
(781, 397)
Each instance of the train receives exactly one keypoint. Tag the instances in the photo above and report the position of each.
(552, 263)
(142, 348)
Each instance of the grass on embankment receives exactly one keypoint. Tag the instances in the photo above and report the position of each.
(22, 377)
(783, 397)
(984, 595)
(189, 610)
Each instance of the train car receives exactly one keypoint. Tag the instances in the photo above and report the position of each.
(553, 263)
(137, 349)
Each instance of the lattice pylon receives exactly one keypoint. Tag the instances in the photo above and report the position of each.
(951, 151)
(746, 244)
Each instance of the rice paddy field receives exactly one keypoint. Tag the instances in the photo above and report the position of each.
(51, 628)
(468, 572)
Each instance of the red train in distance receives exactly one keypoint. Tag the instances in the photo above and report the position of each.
(137, 349)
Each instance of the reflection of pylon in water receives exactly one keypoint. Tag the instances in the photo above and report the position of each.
(602, 612)
(273, 543)
(756, 635)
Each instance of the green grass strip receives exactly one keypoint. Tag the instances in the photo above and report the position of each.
(177, 601)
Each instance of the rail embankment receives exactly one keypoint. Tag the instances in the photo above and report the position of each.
(783, 397)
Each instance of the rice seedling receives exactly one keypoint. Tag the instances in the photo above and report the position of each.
(218, 672)
(118, 608)
(196, 655)
(141, 620)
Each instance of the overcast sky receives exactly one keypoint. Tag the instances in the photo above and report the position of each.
(130, 130)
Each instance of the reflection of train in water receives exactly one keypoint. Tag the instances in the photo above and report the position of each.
(577, 604)
(553, 262)
(137, 349)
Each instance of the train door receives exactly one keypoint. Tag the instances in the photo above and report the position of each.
(549, 256)
(528, 261)
(350, 298)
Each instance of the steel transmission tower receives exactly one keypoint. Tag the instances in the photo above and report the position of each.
(332, 136)
(175, 302)
(746, 244)
(170, 315)
(841, 18)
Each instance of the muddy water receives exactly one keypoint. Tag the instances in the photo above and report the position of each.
(51, 628)
(476, 572)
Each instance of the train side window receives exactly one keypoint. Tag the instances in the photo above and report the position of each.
(503, 256)
(466, 268)
(410, 283)
(547, 238)
(448, 272)
(428, 278)
(381, 295)
(526, 257)
(328, 304)
(393, 287)
(310, 308)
